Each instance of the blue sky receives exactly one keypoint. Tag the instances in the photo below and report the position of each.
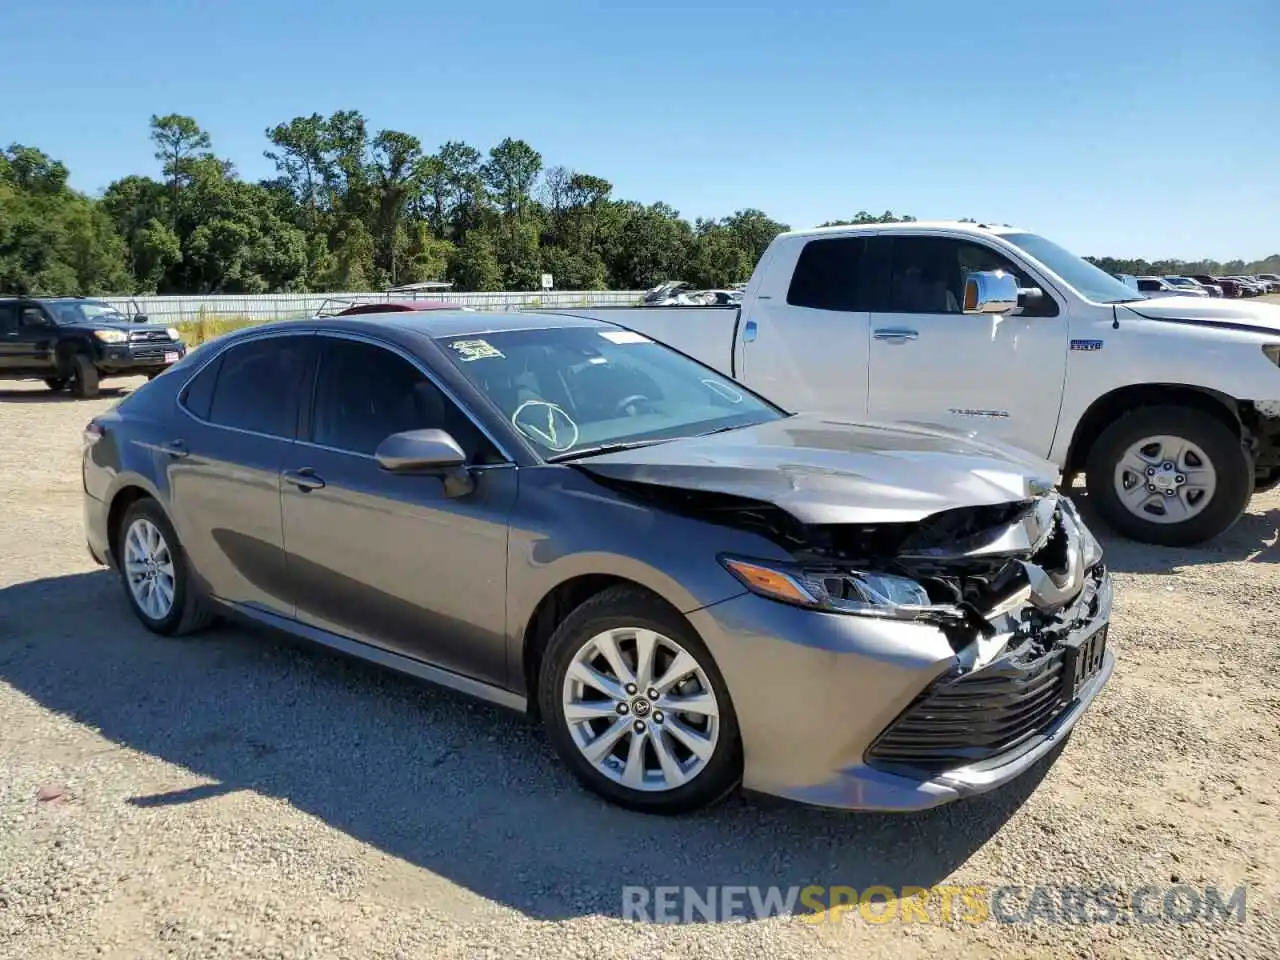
(1129, 128)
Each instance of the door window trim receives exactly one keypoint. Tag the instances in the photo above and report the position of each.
(421, 367)
(213, 356)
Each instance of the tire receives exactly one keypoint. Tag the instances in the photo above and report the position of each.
(55, 383)
(1208, 516)
(709, 780)
(84, 379)
(184, 613)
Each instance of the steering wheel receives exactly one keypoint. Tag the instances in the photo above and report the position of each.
(625, 403)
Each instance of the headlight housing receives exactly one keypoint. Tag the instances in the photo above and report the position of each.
(862, 592)
(1272, 350)
(111, 336)
(173, 333)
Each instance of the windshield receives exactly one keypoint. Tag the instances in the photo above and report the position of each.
(1082, 276)
(569, 390)
(76, 311)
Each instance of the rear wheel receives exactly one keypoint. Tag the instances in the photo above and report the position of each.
(636, 708)
(84, 376)
(1174, 476)
(155, 572)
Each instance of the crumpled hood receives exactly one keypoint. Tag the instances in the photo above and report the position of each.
(1264, 317)
(823, 470)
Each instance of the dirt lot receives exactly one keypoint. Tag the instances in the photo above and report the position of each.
(233, 795)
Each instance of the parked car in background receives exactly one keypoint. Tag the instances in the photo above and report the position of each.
(76, 343)
(1273, 279)
(999, 332)
(691, 587)
(1248, 286)
(1161, 287)
(1229, 288)
(338, 307)
(1191, 284)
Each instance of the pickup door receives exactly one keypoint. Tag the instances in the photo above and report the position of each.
(998, 375)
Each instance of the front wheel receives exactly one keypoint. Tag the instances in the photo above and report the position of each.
(1173, 476)
(636, 708)
(84, 377)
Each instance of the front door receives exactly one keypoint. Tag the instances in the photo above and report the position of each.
(998, 375)
(388, 559)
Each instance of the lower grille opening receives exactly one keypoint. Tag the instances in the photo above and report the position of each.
(977, 716)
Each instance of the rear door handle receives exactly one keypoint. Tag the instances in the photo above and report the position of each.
(175, 448)
(895, 334)
(304, 479)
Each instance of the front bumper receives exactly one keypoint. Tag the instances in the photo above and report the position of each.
(94, 515)
(122, 359)
(814, 691)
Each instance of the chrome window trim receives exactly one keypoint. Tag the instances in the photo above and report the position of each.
(435, 381)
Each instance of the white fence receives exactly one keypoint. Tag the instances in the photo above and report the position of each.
(283, 306)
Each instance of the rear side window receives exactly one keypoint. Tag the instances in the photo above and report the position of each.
(198, 395)
(832, 274)
(8, 318)
(257, 386)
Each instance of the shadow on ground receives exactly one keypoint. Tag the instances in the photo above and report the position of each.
(1255, 537)
(467, 791)
(45, 395)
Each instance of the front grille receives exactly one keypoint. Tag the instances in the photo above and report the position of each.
(977, 716)
(148, 355)
(152, 336)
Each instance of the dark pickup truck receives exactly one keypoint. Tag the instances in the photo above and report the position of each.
(75, 342)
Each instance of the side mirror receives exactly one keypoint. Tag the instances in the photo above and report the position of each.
(430, 452)
(990, 291)
(139, 318)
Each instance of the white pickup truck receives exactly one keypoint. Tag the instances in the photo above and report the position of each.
(1169, 407)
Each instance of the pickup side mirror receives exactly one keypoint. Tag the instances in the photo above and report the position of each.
(427, 452)
(139, 318)
(990, 291)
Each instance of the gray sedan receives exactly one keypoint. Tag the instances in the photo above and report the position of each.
(691, 588)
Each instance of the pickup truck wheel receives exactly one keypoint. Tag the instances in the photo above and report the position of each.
(84, 377)
(55, 383)
(1173, 476)
(635, 706)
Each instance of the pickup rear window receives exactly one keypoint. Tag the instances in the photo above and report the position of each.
(831, 275)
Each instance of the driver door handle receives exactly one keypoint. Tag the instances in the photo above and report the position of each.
(174, 448)
(304, 479)
(895, 334)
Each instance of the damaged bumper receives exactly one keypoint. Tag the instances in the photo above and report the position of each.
(863, 713)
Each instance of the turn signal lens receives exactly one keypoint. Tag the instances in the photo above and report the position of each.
(770, 583)
(1272, 350)
(173, 333)
(93, 432)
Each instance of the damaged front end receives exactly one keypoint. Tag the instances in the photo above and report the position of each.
(1019, 589)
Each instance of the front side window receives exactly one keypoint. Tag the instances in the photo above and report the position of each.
(75, 311)
(257, 386)
(570, 389)
(365, 393)
(928, 275)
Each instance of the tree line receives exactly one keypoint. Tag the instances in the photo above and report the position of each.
(350, 208)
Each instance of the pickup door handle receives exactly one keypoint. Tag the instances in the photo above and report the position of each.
(304, 479)
(174, 448)
(895, 334)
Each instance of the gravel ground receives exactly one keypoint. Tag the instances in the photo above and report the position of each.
(235, 795)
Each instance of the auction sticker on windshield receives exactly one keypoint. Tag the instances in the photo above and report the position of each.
(624, 336)
(470, 350)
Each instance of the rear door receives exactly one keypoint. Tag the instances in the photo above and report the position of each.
(235, 431)
(804, 332)
(394, 560)
(10, 346)
(998, 375)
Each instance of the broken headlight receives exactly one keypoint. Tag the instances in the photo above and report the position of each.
(836, 591)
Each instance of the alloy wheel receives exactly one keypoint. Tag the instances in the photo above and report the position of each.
(641, 709)
(148, 568)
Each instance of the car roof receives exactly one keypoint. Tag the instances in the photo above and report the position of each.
(439, 324)
(909, 226)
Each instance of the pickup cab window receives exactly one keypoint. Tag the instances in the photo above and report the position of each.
(832, 274)
(928, 275)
